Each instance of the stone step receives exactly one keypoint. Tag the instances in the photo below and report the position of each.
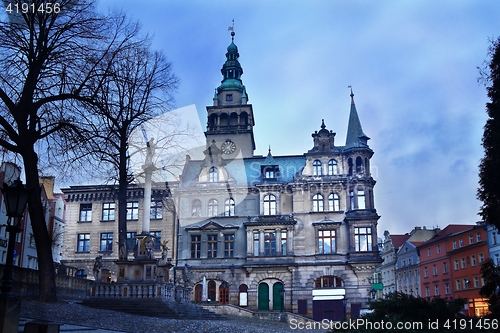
(153, 308)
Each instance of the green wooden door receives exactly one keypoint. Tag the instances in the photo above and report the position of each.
(263, 297)
(277, 302)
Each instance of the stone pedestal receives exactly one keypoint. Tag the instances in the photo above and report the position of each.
(137, 270)
(10, 307)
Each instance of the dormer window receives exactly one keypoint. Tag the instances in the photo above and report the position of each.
(229, 97)
(332, 168)
(213, 175)
(270, 171)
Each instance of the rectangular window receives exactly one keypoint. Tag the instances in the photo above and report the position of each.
(229, 246)
(476, 282)
(326, 241)
(85, 212)
(473, 260)
(463, 262)
(471, 239)
(211, 246)
(133, 211)
(428, 252)
(481, 258)
(426, 272)
(256, 244)
(427, 292)
(229, 97)
(436, 290)
(157, 236)
(195, 246)
(445, 267)
(106, 242)
(438, 249)
(478, 237)
(108, 211)
(156, 211)
(447, 288)
(131, 240)
(363, 239)
(454, 245)
(283, 243)
(456, 264)
(270, 243)
(434, 270)
(461, 242)
(83, 243)
(458, 285)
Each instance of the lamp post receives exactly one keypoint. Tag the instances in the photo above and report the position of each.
(282, 297)
(15, 197)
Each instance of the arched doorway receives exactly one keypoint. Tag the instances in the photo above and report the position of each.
(198, 290)
(212, 290)
(277, 301)
(243, 299)
(224, 293)
(263, 297)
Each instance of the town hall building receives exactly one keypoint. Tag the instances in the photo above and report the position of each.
(297, 233)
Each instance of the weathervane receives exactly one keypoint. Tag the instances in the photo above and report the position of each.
(231, 28)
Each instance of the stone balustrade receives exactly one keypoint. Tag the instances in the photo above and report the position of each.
(168, 291)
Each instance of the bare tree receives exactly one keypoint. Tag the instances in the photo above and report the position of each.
(138, 86)
(48, 58)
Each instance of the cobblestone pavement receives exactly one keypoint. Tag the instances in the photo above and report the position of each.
(77, 318)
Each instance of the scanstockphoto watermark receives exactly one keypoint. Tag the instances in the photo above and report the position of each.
(355, 324)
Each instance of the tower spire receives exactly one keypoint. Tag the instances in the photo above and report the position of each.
(355, 136)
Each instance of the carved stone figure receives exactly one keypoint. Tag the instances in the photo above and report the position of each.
(97, 268)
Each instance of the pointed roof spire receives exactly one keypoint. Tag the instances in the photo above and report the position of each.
(355, 136)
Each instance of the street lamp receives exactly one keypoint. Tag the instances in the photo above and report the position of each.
(15, 197)
(282, 296)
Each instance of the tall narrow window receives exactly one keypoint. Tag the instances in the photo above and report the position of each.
(359, 165)
(212, 207)
(196, 208)
(106, 242)
(213, 175)
(317, 201)
(363, 239)
(156, 211)
(361, 199)
(211, 246)
(269, 204)
(332, 168)
(83, 243)
(270, 243)
(108, 211)
(195, 246)
(317, 168)
(283, 243)
(326, 241)
(229, 207)
(157, 237)
(256, 244)
(333, 202)
(133, 210)
(229, 245)
(85, 212)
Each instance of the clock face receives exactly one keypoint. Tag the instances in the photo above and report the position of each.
(228, 147)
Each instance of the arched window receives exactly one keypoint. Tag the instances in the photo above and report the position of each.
(212, 207)
(317, 201)
(196, 208)
(229, 207)
(317, 168)
(332, 168)
(269, 204)
(359, 165)
(361, 199)
(334, 202)
(349, 165)
(213, 175)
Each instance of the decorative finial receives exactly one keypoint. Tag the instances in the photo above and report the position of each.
(352, 95)
(231, 28)
(323, 124)
(269, 151)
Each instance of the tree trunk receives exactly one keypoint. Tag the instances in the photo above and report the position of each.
(122, 197)
(46, 276)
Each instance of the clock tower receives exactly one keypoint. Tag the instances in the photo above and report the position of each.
(230, 119)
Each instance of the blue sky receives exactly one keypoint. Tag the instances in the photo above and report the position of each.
(412, 66)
